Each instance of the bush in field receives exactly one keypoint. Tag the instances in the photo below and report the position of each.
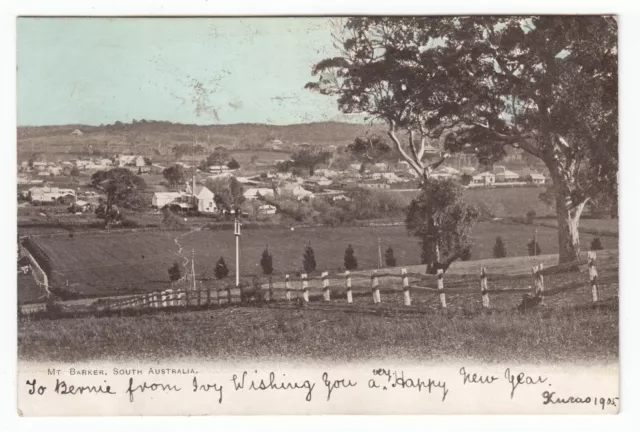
(465, 255)
(171, 220)
(266, 262)
(596, 244)
(534, 248)
(233, 164)
(531, 215)
(350, 260)
(221, 271)
(499, 248)
(309, 260)
(174, 272)
(389, 258)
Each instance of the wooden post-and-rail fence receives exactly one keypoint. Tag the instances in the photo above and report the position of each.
(173, 298)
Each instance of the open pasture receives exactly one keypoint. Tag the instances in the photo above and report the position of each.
(120, 262)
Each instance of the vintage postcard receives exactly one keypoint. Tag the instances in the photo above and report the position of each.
(317, 215)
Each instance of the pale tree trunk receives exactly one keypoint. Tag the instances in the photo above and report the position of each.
(568, 236)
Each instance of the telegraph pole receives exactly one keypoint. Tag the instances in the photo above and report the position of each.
(193, 270)
(236, 232)
(379, 254)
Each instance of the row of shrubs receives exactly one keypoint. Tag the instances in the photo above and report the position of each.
(533, 247)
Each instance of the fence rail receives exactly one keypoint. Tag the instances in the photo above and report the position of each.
(344, 285)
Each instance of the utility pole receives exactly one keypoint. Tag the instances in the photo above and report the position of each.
(193, 270)
(236, 232)
(379, 254)
(535, 242)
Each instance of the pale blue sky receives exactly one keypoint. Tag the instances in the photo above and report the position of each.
(196, 70)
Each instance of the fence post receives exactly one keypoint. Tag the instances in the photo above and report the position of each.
(325, 286)
(483, 287)
(443, 299)
(228, 294)
(165, 299)
(208, 296)
(156, 299)
(305, 287)
(287, 287)
(186, 297)
(593, 276)
(405, 287)
(270, 288)
(348, 283)
(375, 290)
(541, 283)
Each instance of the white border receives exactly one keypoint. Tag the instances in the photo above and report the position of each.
(630, 184)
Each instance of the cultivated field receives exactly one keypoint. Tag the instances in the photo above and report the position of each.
(119, 262)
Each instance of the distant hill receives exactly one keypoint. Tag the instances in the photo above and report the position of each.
(149, 137)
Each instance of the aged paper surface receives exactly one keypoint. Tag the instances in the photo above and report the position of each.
(389, 215)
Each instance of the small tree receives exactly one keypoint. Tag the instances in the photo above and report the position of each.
(389, 258)
(465, 179)
(442, 222)
(174, 175)
(74, 172)
(309, 260)
(174, 272)
(221, 271)
(531, 215)
(596, 244)
(350, 260)
(465, 255)
(233, 164)
(534, 248)
(266, 262)
(499, 248)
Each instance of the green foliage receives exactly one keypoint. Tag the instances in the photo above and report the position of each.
(465, 255)
(371, 149)
(499, 248)
(266, 262)
(174, 175)
(350, 260)
(389, 258)
(228, 193)
(596, 244)
(171, 220)
(309, 260)
(221, 271)
(74, 171)
(121, 186)
(309, 159)
(233, 164)
(175, 272)
(465, 179)
(442, 222)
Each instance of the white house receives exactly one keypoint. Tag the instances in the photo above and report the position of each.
(161, 199)
(381, 166)
(255, 193)
(503, 175)
(483, 179)
(355, 166)
(537, 178)
(49, 194)
(294, 189)
(220, 169)
(319, 181)
(326, 172)
(204, 200)
(267, 209)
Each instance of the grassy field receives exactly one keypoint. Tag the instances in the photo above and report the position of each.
(97, 264)
(547, 334)
(505, 202)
